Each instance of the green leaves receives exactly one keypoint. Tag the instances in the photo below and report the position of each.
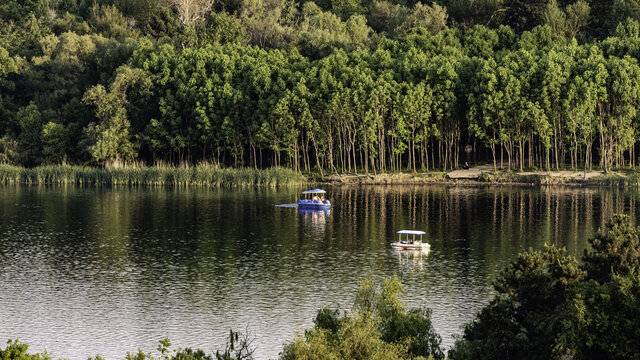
(343, 85)
(17, 350)
(109, 139)
(600, 322)
(7, 65)
(380, 327)
(55, 143)
(547, 306)
(31, 122)
(616, 250)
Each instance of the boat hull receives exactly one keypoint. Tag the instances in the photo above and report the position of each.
(407, 246)
(314, 204)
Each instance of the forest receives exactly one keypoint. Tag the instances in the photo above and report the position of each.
(331, 86)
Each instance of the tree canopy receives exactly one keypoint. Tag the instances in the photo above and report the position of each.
(328, 86)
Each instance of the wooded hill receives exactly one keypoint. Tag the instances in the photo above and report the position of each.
(332, 86)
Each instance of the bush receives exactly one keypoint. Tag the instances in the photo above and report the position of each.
(548, 307)
(16, 350)
(379, 327)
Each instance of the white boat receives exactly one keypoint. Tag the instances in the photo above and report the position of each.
(410, 241)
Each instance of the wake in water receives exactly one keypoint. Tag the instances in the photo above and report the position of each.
(287, 205)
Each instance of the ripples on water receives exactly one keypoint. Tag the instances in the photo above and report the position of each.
(87, 271)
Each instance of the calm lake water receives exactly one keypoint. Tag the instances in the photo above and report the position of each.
(86, 271)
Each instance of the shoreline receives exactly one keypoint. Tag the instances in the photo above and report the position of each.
(485, 175)
(209, 176)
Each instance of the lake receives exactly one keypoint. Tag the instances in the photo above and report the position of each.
(86, 270)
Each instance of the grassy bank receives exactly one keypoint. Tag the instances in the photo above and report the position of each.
(150, 176)
(278, 176)
(616, 179)
(620, 178)
(630, 179)
(385, 178)
(508, 177)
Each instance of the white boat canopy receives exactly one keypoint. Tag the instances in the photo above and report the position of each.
(411, 232)
(314, 191)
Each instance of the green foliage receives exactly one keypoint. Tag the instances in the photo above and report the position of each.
(166, 353)
(31, 123)
(320, 31)
(346, 8)
(548, 307)
(163, 22)
(468, 13)
(394, 19)
(328, 319)
(481, 42)
(340, 86)
(109, 140)
(8, 150)
(109, 21)
(189, 354)
(68, 22)
(7, 65)
(524, 15)
(600, 323)
(16, 350)
(54, 142)
(386, 17)
(266, 23)
(380, 327)
(358, 338)
(577, 18)
(140, 11)
(615, 250)
(223, 28)
(431, 17)
(568, 22)
(523, 321)
(621, 10)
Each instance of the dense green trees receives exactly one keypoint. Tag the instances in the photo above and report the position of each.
(405, 105)
(549, 307)
(331, 86)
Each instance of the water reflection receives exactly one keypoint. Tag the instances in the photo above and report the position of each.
(411, 259)
(315, 220)
(107, 270)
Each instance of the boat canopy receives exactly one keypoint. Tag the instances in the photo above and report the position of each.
(411, 232)
(314, 191)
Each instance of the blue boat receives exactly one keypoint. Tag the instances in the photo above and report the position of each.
(314, 199)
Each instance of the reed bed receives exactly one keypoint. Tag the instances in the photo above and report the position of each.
(202, 175)
(630, 180)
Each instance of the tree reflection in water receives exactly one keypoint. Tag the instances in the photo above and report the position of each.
(191, 263)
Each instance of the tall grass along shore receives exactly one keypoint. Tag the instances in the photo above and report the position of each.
(203, 175)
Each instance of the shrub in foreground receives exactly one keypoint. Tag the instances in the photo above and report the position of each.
(548, 307)
(379, 327)
(16, 350)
